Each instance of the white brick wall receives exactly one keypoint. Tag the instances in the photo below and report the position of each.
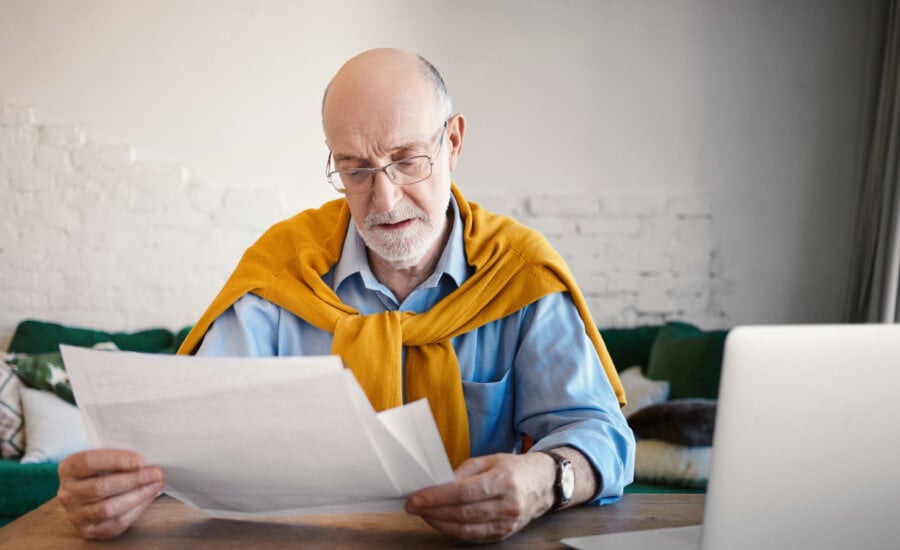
(638, 259)
(92, 235)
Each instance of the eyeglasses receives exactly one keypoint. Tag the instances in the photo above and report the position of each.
(406, 171)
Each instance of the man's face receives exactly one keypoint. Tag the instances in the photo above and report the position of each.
(401, 224)
(373, 121)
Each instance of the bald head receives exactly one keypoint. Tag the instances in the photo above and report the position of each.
(381, 81)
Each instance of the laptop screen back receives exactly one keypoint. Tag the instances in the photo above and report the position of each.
(807, 440)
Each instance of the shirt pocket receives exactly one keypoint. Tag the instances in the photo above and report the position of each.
(489, 399)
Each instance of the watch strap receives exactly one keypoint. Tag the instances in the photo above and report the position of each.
(562, 463)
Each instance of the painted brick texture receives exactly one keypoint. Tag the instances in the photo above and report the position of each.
(639, 260)
(91, 235)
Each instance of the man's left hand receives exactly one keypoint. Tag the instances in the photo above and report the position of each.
(492, 497)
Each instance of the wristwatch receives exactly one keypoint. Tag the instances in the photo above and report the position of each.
(564, 487)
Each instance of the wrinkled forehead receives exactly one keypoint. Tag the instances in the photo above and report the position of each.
(387, 103)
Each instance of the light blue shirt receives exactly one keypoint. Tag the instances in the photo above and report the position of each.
(534, 372)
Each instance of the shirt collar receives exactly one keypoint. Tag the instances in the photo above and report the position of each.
(452, 262)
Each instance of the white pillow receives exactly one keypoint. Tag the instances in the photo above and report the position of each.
(658, 461)
(53, 427)
(641, 391)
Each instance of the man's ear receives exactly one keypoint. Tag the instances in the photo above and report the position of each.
(455, 135)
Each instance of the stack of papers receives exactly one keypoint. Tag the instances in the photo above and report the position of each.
(257, 436)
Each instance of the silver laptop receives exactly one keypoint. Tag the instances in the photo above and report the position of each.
(806, 452)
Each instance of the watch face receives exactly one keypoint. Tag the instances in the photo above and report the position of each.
(568, 482)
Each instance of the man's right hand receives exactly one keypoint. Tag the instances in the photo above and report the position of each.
(104, 491)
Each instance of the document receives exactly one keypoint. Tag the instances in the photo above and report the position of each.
(257, 436)
(667, 538)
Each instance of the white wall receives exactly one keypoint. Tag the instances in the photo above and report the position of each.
(756, 106)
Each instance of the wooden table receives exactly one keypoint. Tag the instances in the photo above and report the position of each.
(171, 524)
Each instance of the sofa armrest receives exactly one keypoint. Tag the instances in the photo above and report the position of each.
(24, 487)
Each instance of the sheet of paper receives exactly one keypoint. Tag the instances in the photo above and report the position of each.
(671, 538)
(241, 436)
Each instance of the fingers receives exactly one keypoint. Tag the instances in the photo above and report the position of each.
(474, 512)
(474, 489)
(105, 491)
(111, 517)
(485, 521)
(478, 532)
(475, 482)
(491, 499)
(107, 485)
(90, 463)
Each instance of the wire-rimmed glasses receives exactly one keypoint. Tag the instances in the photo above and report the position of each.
(406, 171)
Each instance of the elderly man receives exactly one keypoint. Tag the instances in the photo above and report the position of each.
(423, 294)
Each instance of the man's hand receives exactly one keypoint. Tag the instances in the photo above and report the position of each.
(105, 491)
(493, 497)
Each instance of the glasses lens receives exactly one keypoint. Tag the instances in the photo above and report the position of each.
(335, 180)
(350, 181)
(355, 181)
(410, 171)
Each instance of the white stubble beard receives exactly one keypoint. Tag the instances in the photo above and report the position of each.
(407, 247)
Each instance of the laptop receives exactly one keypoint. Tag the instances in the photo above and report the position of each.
(806, 451)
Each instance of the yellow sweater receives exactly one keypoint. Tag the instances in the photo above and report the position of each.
(514, 266)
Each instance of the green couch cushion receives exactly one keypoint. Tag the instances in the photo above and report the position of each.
(25, 487)
(40, 337)
(630, 346)
(689, 358)
(44, 371)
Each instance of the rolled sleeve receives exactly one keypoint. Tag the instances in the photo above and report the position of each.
(563, 397)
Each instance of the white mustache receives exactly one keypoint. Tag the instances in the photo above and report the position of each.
(400, 213)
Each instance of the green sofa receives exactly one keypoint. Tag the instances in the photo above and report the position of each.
(689, 358)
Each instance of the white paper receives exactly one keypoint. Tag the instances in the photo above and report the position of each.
(257, 436)
(669, 538)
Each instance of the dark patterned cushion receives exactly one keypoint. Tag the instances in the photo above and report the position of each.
(688, 422)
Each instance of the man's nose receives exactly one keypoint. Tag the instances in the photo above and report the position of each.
(385, 195)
